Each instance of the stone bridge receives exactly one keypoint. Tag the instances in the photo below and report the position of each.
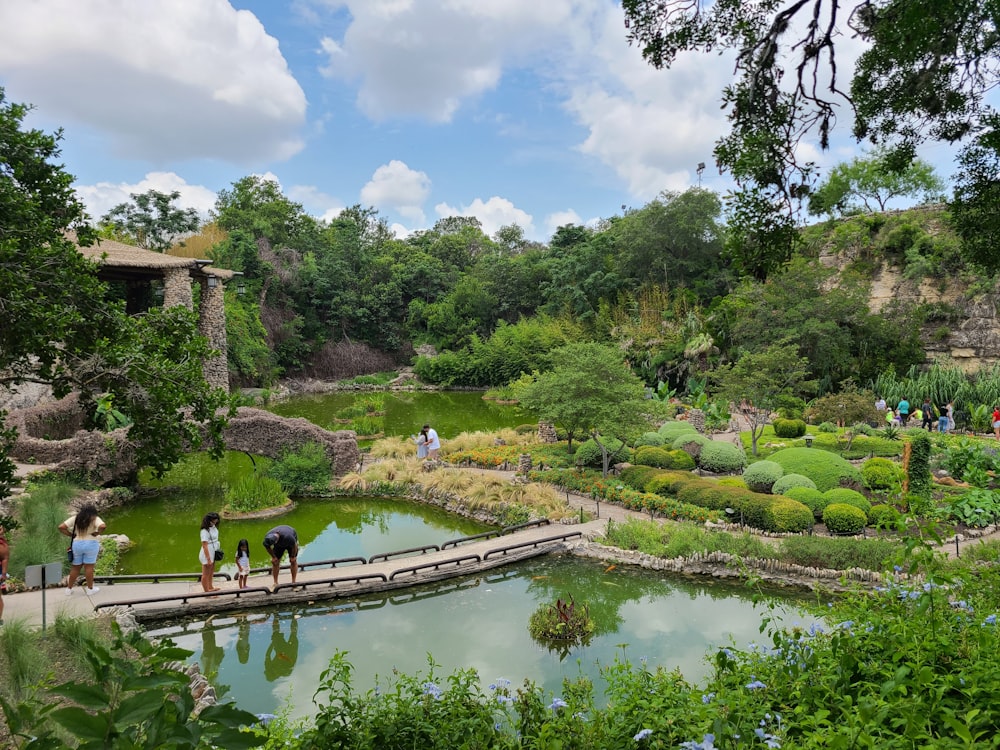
(53, 434)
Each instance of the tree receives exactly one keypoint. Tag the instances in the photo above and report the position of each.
(977, 195)
(872, 181)
(759, 382)
(58, 326)
(151, 221)
(926, 73)
(590, 389)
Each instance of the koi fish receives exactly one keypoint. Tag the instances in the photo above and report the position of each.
(538, 578)
(610, 568)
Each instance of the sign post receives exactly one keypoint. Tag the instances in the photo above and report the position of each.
(42, 575)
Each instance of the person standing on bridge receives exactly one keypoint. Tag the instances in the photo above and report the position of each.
(84, 528)
(277, 542)
(209, 547)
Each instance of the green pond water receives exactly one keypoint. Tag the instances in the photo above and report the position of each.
(164, 527)
(449, 412)
(273, 659)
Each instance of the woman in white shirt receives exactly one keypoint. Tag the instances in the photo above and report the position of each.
(209, 545)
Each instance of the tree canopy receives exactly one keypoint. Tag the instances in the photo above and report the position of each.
(151, 220)
(868, 183)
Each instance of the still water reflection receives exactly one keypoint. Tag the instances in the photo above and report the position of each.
(270, 659)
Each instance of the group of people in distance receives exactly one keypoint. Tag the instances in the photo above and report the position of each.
(278, 542)
(928, 416)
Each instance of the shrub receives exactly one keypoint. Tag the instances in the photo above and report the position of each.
(690, 443)
(846, 496)
(680, 461)
(883, 516)
(526, 429)
(708, 494)
(672, 430)
(826, 469)
(844, 519)
(838, 554)
(882, 475)
(732, 482)
(827, 427)
(785, 483)
(589, 452)
(785, 515)
(650, 438)
(564, 620)
(919, 467)
(254, 492)
(762, 475)
(638, 477)
(302, 470)
(811, 498)
(648, 455)
(863, 428)
(721, 458)
(789, 428)
(668, 483)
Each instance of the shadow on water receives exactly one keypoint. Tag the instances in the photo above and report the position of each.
(273, 658)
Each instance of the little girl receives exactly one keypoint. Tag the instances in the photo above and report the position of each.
(242, 562)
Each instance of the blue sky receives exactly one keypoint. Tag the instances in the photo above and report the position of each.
(534, 112)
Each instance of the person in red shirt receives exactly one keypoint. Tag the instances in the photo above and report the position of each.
(996, 422)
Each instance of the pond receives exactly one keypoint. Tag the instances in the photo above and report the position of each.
(449, 412)
(164, 527)
(273, 659)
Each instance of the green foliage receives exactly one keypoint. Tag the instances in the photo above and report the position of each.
(845, 496)
(839, 554)
(810, 497)
(254, 492)
(977, 192)
(150, 220)
(785, 515)
(884, 516)
(826, 469)
(672, 540)
(137, 696)
(25, 660)
(760, 476)
(650, 438)
(721, 458)
(561, 621)
(841, 518)
(40, 511)
(828, 427)
(789, 428)
(977, 507)
(691, 443)
(300, 471)
(882, 476)
(968, 460)
(589, 452)
(663, 459)
(918, 470)
(873, 180)
(783, 484)
(845, 407)
(638, 477)
(673, 430)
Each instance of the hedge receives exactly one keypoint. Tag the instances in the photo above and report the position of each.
(789, 428)
(786, 515)
(690, 443)
(826, 469)
(761, 475)
(785, 483)
(848, 497)
(721, 458)
(589, 452)
(810, 497)
(650, 438)
(844, 519)
(671, 430)
(882, 475)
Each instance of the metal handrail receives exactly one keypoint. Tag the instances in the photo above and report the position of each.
(435, 565)
(474, 537)
(157, 577)
(329, 582)
(534, 543)
(184, 598)
(422, 550)
(331, 563)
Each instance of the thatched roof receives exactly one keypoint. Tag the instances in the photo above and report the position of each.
(118, 255)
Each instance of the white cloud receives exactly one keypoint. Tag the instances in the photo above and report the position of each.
(161, 80)
(397, 187)
(423, 57)
(561, 218)
(315, 202)
(104, 196)
(493, 214)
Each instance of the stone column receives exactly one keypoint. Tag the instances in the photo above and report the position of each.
(177, 288)
(547, 433)
(212, 325)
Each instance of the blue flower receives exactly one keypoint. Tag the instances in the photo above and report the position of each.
(557, 703)
(756, 685)
(897, 568)
(642, 734)
(707, 743)
(707, 697)
(433, 690)
(990, 620)
(265, 719)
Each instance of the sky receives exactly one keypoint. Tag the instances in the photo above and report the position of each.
(528, 112)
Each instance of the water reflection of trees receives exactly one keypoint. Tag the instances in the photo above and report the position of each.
(354, 516)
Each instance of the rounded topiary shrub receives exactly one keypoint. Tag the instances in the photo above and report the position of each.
(844, 519)
(672, 430)
(690, 443)
(650, 455)
(721, 458)
(811, 498)
(788, 481)
(638, 477)
(669, 483)
(680, 461)
(826, 469)
(761, 475)
(789, 428)
(827, 427)
(732, 482)
(785, 515)
(884, 516)
(589, 452)
(849, 497)
(650, 438)
(882, 475)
